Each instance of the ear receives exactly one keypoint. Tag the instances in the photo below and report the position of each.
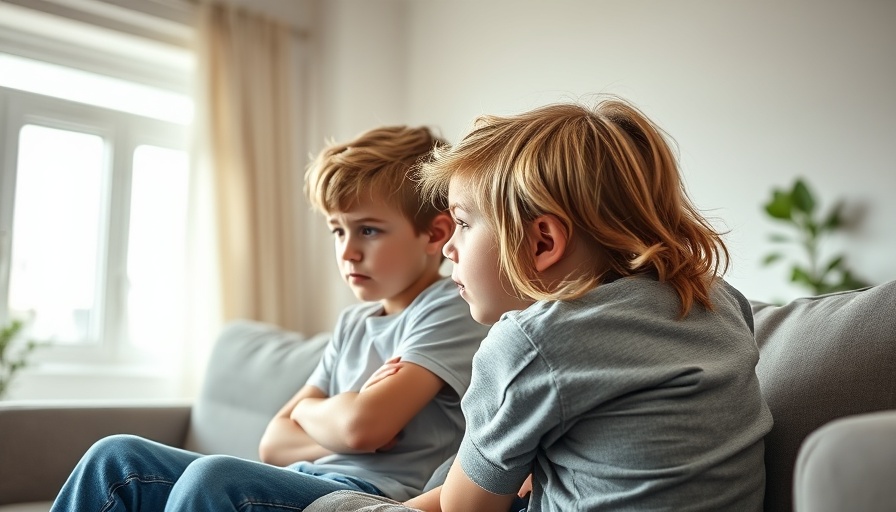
(440, 230)
(547, 241)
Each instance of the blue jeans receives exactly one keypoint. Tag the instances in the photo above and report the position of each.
(124, 472)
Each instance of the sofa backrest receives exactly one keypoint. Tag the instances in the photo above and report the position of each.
(253, 370)
(822, 358)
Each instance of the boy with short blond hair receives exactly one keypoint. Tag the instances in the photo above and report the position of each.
(349, 427)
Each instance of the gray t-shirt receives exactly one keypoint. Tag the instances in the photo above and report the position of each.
(613, 403)
(436, 332)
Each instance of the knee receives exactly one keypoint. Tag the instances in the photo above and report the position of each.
(218, 471)
(114, 456)
(117, 447)
(121, 442)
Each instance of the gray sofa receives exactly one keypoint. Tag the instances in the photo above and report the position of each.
(822, 359)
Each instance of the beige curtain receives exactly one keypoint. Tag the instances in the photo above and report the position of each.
(246, 114)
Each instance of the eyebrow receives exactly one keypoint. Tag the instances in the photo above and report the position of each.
(457, 206)
(363, 220)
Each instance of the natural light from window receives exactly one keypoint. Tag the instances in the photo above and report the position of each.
(57, 213)
(157, 246)
(93, 89)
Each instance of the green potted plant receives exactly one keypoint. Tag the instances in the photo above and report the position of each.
(13, 355)
(809, 227)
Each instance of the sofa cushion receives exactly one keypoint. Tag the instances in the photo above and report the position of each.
(822, 358)
(848, 464)
(234, 407)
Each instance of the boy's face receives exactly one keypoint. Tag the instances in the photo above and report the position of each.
(474, 250)
(379, 255)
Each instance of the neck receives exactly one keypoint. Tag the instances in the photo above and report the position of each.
(579, 258)
(398, 303)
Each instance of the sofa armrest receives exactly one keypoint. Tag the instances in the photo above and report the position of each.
(41, 442)
(848, 464)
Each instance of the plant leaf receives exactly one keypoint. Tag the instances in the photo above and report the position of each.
(779, 238)
(780, 206)
(771, 258)
(834, 263)
(802, 197)
(811, 227)
(800, 276)
(834, 219)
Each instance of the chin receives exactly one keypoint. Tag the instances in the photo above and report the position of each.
(365, 295)
(483, 317)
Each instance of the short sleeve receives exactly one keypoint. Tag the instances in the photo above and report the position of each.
(513, 401)
(442, 337)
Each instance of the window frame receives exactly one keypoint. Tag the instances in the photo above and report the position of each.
(122, 134)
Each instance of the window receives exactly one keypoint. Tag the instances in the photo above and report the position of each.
(56, 232)
(156, 247)
(94, 186)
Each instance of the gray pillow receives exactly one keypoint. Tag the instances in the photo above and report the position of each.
(253, 370)
(822, 358)
(353, 501)
(848, 464)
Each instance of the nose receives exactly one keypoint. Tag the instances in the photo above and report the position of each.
(448, 250)
(348, 250)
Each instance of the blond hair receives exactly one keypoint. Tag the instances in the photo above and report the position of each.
(377, 165)
(607, 173)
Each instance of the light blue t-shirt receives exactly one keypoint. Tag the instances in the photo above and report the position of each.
(613, 403)
(436, 332)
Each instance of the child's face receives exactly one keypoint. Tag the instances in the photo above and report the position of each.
(474, 250)
(379, 255)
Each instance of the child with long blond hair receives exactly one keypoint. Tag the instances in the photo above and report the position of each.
(620, 368)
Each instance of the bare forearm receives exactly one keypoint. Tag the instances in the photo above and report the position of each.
(427, 502)
(369, 420)
(335, 423)
(284, 442)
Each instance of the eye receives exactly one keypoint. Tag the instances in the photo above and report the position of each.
(369, 231)
(461, 223)
(337, 232)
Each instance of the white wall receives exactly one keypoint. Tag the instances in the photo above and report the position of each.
(358, 81)
(755, 93)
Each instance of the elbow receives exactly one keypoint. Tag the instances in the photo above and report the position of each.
(359, 444)
(267, 453)
(363, 436)
(271, 453)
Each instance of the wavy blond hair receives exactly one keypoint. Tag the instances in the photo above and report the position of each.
(377, 164)
(607, 173)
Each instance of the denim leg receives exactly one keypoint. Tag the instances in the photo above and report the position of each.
(520, 504)
(123, 472)
(221, 483)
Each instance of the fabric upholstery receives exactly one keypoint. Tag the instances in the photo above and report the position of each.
(848, 464)
(822, 358)
(254, 369)
(41, 442)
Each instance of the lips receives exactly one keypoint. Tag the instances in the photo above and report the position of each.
(357, 278)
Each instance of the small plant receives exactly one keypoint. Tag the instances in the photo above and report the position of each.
(12, 361)
(797, 208)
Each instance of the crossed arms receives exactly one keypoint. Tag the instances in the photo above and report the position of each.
(311, 424)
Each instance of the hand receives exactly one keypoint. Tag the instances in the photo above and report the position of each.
(526, 488)
(388, 368)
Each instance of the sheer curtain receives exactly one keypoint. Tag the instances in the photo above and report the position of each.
(245, 155)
